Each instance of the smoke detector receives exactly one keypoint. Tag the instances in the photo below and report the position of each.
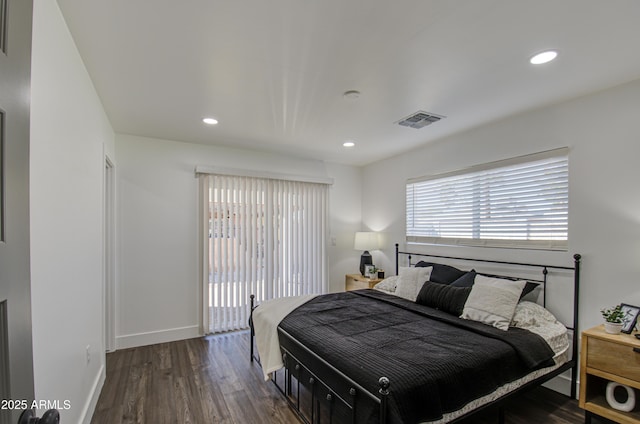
(419, 119)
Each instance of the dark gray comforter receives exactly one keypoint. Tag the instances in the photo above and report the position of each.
(436, 362)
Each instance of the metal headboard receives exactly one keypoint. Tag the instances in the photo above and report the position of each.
(545, 270)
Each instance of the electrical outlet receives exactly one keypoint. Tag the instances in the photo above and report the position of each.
(88, 354)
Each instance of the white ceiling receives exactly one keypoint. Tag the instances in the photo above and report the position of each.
(273, 72)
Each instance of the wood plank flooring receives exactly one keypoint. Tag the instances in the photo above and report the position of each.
(210, 380)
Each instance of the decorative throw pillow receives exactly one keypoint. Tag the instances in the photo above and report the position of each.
(411, 281)
(388, 284)
(443, 297)
(493, 302)
(443, 274)
(528, 288)
(466, 280)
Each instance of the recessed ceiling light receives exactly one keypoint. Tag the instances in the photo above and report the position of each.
(210, 121)
(543, 57)
(349, 143)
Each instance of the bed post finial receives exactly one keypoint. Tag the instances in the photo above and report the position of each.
(384, 384)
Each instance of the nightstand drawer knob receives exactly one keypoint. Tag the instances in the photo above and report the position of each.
(636, 349)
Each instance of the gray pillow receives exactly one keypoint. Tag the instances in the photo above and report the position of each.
(466, 280)
(444, 274)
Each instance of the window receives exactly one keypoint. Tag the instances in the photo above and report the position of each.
(521, 202)
(261, 236)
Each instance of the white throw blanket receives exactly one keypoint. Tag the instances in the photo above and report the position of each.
(266, 318)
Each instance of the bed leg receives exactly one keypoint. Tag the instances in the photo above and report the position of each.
(384, 394)
(500, 415)
(251, 333)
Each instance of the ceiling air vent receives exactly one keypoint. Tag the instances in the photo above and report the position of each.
(419, 119)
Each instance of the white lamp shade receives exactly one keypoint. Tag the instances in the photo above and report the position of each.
(366, 240)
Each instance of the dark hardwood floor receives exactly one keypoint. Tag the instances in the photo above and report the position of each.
(210, 380)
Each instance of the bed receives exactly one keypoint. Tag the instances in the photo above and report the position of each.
(383, 356)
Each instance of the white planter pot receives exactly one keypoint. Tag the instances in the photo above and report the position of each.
(612, 327)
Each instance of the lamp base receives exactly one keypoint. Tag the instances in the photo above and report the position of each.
(365, 259)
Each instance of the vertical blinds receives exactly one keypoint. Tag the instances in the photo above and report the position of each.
(265, 237)
(522, 202)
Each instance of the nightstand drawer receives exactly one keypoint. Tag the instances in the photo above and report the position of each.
(356, 285)
(614, 358)
(357, 282)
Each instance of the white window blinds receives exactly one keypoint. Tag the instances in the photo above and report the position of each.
(262, 236)
(522, 202)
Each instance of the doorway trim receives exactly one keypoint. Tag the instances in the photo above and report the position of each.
(109, 265)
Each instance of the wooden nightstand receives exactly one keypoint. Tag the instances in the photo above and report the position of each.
(357, 281)
(607, 357)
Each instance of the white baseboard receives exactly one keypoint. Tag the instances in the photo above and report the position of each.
(154, 337)
(96, 389)
(562, 384)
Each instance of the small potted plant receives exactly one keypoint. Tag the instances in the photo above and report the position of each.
(613, 319)
(373, 272)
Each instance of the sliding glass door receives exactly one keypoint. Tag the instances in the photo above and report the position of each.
(264, 237)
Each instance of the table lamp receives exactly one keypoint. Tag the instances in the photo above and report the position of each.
(366, 240)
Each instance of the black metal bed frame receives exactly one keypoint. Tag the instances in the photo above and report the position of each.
(319, 393)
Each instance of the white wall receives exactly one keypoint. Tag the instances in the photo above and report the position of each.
(69, 131)
(158, 292)
(603, 134)
(345, 214)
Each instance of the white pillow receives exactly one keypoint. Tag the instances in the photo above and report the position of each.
(493, 301)
(535, 318)
(388, 284)
(410, 281)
